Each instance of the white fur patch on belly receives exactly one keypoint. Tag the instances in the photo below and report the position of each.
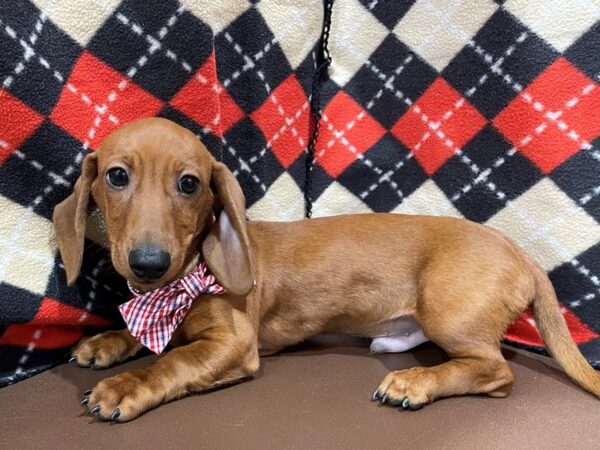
(395, 344)
(397, 335)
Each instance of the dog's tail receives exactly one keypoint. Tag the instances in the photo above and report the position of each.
(557, 338)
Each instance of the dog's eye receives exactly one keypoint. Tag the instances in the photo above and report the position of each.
(117, 177)
(188, 184)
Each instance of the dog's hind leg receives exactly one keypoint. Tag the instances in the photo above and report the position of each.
(475, 367)
(469, 330)
(414, 387)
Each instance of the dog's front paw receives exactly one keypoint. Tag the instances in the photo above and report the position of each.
(105, 349)
(123, 397)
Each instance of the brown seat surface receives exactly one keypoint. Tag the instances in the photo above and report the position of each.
(313, 397)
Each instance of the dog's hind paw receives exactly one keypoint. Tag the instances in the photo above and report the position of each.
(406, 389)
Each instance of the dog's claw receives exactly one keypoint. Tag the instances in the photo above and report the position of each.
(95, 409)
(375, 395)
(406, 404)
(91, 362)
(115, 415)
(385, 398)
(72, 358)
(85, 401)
(88, 392)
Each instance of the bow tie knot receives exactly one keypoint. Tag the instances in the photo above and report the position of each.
(153, 317)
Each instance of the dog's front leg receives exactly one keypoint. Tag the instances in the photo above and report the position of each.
(222, 350)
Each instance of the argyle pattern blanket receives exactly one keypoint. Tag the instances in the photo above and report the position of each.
(488, 110)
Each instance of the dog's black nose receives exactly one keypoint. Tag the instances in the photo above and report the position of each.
(149, 262)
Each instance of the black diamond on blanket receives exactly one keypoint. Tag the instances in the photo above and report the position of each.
(392, 74)
(247, 50)
(503, 55)
(512, 175)
(42, 160)
(403, 175)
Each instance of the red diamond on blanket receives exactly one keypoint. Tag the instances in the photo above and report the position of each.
(347, 131)
(41, 336)
(523, 331)
(57, 313)
(554, 117)
(284, 120)
(55, 325)
(204, 99)
(97, 100)
(437, 125)
(17, 124)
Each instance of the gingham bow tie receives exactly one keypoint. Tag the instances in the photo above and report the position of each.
(153, 317)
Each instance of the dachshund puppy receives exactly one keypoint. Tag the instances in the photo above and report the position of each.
(169, 205)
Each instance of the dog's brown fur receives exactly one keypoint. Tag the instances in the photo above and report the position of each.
(464, 283)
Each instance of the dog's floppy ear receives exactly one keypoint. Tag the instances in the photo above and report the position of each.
(226, 248)
(69, 219)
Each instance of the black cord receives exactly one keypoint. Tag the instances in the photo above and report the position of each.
(324, 59)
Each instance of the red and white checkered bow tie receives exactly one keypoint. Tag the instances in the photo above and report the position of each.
(153, 317)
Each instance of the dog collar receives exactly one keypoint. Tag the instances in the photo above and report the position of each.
(153, 317)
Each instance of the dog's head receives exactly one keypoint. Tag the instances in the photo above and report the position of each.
(159, 190)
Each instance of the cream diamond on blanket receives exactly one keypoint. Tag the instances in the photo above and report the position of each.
(216, 13)
(80, 19)
(26, 250)
(428, 200)
(296, 25)
(338, 200)
(357, 35)
(559, 22)
(283, 201)
(548, 224)
(438, 29)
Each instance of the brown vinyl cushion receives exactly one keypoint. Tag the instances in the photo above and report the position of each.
(316, 396)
